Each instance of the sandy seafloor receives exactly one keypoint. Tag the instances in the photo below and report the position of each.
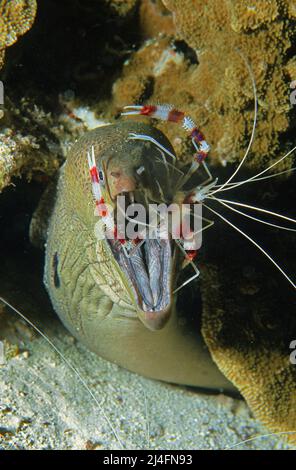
(44, 406)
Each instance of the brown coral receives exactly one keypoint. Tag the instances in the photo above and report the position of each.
(33, 142)
(250, 344)
(16, 17)
(244, 17)
(217, 91)
(155, 19)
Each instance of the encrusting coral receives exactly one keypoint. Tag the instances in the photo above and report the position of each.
(35, 142)
(251, 347)
(211, 81)
(155, 19)
(16, 17)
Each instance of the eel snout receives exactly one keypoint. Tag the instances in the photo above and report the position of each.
(149, 273)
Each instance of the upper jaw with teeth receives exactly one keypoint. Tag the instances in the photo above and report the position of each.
(149, 273)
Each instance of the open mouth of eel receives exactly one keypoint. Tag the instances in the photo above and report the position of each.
(148, 268)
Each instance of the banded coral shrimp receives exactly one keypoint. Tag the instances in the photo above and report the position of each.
(209, 188)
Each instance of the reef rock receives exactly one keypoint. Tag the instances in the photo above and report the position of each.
(16, 17)
(33, 142)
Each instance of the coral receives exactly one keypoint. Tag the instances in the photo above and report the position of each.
(244, 17)
(210, 79)
(16, 17)
(152, 75)
(291, 69)
(2, 55)
(250, 341)
(33, 142)
(155, 19)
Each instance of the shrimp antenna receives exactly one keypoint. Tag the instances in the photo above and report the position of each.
(253, 242)
(259, 209)
(222, 201)
(255, 177)
(238, 183)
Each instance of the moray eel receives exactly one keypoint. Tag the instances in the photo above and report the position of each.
(124, 311)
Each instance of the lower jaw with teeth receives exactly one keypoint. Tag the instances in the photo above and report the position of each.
(148, 271)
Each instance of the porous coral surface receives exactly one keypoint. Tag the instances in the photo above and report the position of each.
(16, 17)
(215, 87)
